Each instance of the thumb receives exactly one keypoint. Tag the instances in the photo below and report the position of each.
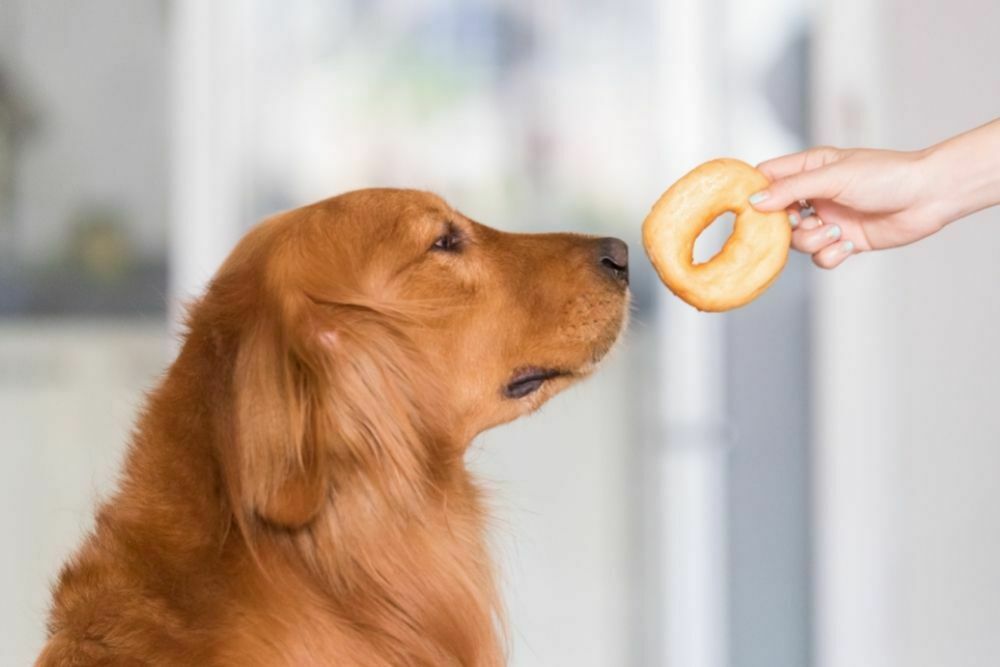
(819, 183)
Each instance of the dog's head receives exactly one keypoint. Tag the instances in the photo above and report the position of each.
(378, 332)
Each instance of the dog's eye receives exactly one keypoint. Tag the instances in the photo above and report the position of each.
(450, 241)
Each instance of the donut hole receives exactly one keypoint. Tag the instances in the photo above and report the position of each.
(712, 238)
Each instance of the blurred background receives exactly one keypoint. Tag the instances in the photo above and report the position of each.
(809, 480)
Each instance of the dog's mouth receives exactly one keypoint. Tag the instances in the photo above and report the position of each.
(528, 380)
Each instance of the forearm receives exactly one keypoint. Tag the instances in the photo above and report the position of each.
(964, 172)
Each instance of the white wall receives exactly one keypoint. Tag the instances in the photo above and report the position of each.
(91, 77)
(69, 393)
(908, 366)
(561, 490)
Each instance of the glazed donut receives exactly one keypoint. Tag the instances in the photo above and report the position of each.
(751, 258)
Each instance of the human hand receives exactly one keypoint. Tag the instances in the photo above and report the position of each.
(864, 199)
(861, 199)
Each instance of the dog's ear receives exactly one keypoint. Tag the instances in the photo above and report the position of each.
(280, 469)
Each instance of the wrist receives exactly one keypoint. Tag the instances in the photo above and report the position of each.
(939, 196)
(961, 175)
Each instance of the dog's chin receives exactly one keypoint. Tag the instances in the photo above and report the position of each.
(607, 341)
(538, 382)
(531, 384)
(603, 347)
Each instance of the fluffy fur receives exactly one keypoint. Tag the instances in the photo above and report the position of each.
(295, 491)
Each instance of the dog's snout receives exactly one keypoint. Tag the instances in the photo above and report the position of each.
(612, 256)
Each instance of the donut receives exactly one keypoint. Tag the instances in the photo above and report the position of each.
(751, 258)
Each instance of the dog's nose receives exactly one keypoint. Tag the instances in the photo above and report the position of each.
(612, 256)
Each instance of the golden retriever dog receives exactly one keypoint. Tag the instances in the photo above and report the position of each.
(295, 492)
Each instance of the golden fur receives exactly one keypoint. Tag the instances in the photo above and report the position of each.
(295, 491)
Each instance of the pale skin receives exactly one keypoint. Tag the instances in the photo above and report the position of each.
(865, 199)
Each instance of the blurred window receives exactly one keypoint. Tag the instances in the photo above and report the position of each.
(83, 159)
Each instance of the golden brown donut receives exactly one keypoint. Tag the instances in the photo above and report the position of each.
(751, 258)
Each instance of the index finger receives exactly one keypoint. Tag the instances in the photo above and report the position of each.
(795, 163)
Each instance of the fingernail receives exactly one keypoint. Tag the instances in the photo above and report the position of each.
(833, 232)
(794, 219)
(758, 197)
(847, 247)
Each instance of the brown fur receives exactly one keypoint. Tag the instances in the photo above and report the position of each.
(295, 492)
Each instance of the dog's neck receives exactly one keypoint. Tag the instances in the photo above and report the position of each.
(423, 580)
(407, 572)
(411, 567)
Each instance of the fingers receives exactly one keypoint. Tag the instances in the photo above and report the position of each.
(822, 183)
(809, 175)
(812, 235)
(802, 175)
(794, 216)
(824, 242)
(794, 163)
(834, 254)
(808, 222)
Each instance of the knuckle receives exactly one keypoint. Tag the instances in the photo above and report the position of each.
(823, 262)
(815, 243)
(819, 156)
